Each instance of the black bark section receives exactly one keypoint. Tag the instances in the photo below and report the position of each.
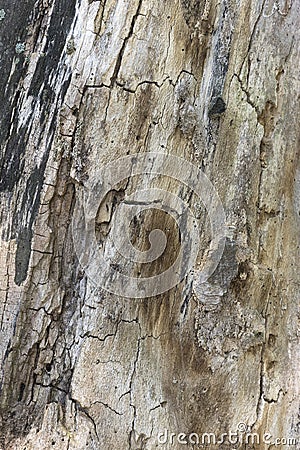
(13, 30)
(61, 20)
(13, 138)
(220, 61)
(30, 202)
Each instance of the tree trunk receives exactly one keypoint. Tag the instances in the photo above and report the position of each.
(100, 99)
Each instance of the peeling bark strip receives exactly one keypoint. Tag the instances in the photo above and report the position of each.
(84, 83)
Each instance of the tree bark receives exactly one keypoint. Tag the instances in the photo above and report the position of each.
(85, 83)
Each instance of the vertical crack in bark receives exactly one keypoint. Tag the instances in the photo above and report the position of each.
(132, 437)
(261, 399)
(251, 40)
(85, 412)
(103, 6)
(121, 53)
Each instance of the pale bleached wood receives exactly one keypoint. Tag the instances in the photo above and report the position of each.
(84, 83)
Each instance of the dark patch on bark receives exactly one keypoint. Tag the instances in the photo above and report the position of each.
(228, 267)
(22, 255)
(217, 107)
(30, 204)
(21, 392)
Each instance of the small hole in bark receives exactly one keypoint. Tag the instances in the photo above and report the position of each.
(272, 340)
(217, 107)
(48, 367)
(53, 443)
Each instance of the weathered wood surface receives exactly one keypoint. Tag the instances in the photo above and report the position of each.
(82, 84)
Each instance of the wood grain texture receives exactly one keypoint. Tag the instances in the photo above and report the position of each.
(84, 83)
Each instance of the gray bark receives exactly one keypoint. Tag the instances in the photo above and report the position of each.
(84, 83)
